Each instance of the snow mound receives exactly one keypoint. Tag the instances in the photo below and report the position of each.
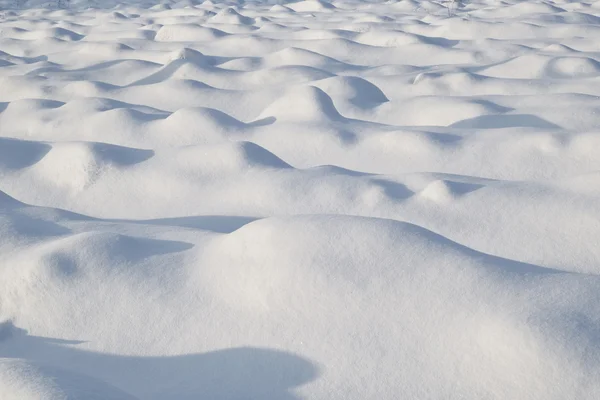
(280, 8)
(359, 91)
(186, 121)
(387, 38)
(558, 48)
(187, 33)
(296, 56)
(311, 6)
(181, 64)
(190, 55)
(237, 156)
(51, 33)
(231, 16)
(532, 8)
(355, 262)
(104, 49)
(574, 67)
(302, 103)
(536, 66)
(77, 165)
(444, 191)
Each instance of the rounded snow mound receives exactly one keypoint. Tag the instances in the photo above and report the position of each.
(68, 263)
(444, 191)
(280, 8)
(272, 27)
(77, 165)
(161, 7)
(52, 33)
(181, 64)
(231, 16)
(531, 8)
(187, 33)
(445, 111)
(297, 56)
(22, 106)
(285, 75)
(193, 126)
(558, 48)
(541, 66)
(529, 66)
(206, 121)
(191, 55)
(302, 103)
(357, 90)
(362, 282)
(387, 38)
(311, 6)
(574, 67)
(229, 156)
(263, 21)
(110, 49)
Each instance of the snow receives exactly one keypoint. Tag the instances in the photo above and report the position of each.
(337, 200)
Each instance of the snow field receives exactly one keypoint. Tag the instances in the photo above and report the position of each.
(288, 200)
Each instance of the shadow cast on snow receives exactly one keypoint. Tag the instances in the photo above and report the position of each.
(235, 373)
(212, 223)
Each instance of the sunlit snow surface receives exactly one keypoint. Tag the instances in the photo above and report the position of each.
(304, 200)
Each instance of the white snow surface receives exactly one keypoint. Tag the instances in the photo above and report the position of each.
(329, 200)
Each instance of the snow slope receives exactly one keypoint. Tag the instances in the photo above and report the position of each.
(300, 200)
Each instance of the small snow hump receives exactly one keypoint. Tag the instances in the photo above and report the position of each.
(311, 6)
(231, 16)
(356, 90)
(190, 55)
(303, 103)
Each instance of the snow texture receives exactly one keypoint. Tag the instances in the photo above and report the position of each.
(325, 200)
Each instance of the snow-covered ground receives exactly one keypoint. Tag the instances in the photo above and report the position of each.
(307, 200)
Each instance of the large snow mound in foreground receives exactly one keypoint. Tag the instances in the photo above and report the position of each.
(316, 199)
